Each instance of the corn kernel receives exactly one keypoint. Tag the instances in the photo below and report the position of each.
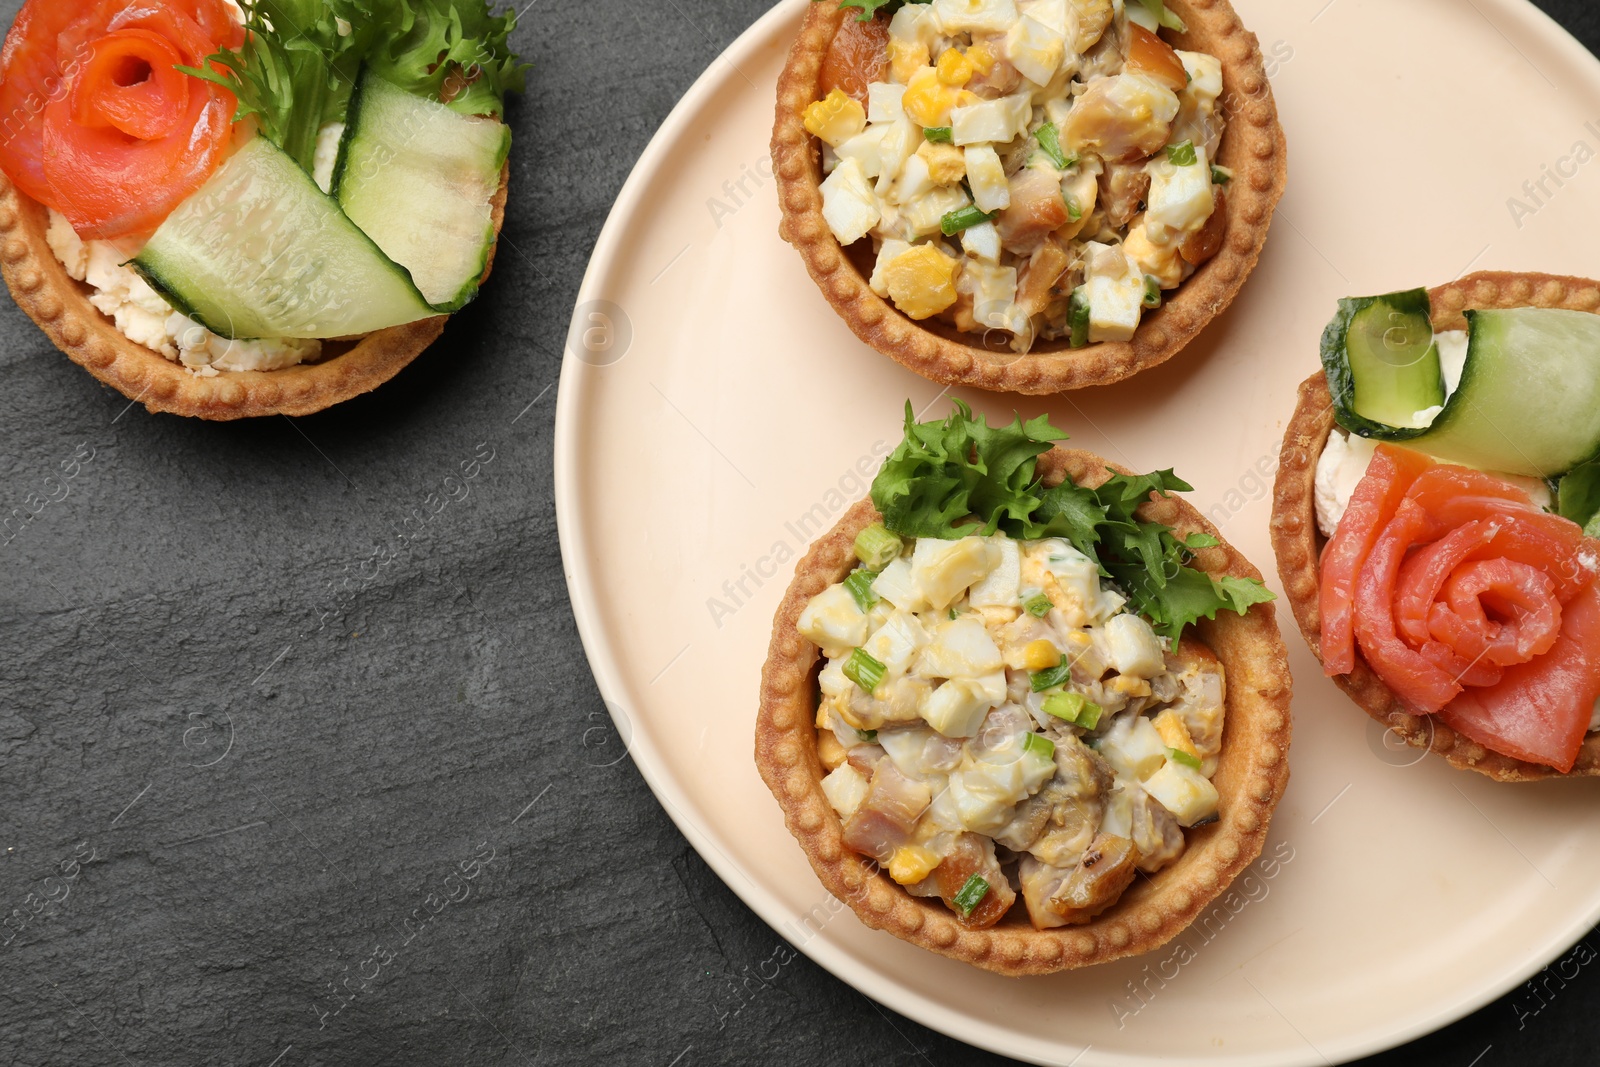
(928, 100)
(829, 750)
(905, 59)
(954, 68)
(981, 56)
(835, 118)
(911, 864)
(1079, 638)
(947, 164)
(921, 281)
(1040, 655)
(1133, 687)
(1175, 733)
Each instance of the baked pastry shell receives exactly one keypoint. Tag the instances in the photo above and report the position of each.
(1252, 146)
(1252, 772)
(1298, 543)
(60, 306)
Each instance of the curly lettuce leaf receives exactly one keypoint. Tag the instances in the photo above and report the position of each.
(301, 60)
(870, 8)
(961, 477)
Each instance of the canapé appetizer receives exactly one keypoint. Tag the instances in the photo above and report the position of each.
(1027, 195)
(1435, 514)
(226, 211)
(1023, 709)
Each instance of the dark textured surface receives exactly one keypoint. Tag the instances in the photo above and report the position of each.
(321, 782)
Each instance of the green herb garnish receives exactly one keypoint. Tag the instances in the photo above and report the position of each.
(1074, 209)
(865, 671)
(1166, 19)
(301, 58)
(1178, 755)
(860, 585)
(1182, 154)
(1039, 745)
(939, 134)
(971, 895)
(960, 477)
(1045, 680)
(867, 737)
(961, 218)
(1078, 317)
(1220, 175)
(872, 7)
(1049, 139)
(1152, 291)
(1074, 708)
(1037, 605)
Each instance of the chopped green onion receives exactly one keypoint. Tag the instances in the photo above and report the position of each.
(938, 134)
(1074, 708)
(1037, 605)
(1049, 139)
(1074, 209)
(1220, 175)
(877, 547)
(865, 671)
(1043, 681)
(868, 737)
(954, 614)
(1182, 154)
(1152, 291)
(1178, 755)
(860, 585)
(959, 219)
(1165, 18)
(1078, 316)
(971, 895)
(1039, 745)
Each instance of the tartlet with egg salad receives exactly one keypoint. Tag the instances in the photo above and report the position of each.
(1434, 519)
(224, 215)
(1027, 196)
(992, 751)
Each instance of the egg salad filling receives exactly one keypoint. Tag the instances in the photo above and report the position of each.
(995, 720)
(1039, 167)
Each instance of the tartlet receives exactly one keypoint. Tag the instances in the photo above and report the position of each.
(1251, 776)
(1298, 542)
(60, 306)
(1252, 148)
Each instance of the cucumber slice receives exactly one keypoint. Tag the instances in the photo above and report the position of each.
(1529, 398)
(418, 178)
(260, 251)
(1383, 366)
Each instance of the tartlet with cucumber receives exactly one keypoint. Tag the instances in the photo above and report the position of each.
(227, 211)
(1027, 195)
(1022, 708)
(1436, 513)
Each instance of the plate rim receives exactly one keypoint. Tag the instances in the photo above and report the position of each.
(571, 389)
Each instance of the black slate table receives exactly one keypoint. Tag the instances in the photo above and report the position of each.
(301, 706)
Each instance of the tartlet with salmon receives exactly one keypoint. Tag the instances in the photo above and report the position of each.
(1435, 519)
(1027, 195)
(228, 212)
(1022, 708)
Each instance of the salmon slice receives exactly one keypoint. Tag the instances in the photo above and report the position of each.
(1540, 711)
(1371, 506)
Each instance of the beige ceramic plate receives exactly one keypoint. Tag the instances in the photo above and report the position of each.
(715, 416)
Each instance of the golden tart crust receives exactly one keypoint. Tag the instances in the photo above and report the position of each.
(1298, 543)
(1251, 775)
(60, 305)
(1253, 147)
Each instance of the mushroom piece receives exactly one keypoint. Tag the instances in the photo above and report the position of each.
(1070, 896)
(973, 856)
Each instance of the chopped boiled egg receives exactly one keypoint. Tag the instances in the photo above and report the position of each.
(943, 570)
(983, 242)
(986, 175)
(961, 648)
(1036, 50)
(833, 622)
(1115, 292)
(835, 118)
(921, 282)
(1184, 791)
(883, 102)
(848, 202)
(946, 163)
(887, 254)
(1180, 197)
(983, 16)
(998, 121)
(846, 789)
(1135, 649)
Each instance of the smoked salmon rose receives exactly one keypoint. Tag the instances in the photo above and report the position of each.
(98, 121)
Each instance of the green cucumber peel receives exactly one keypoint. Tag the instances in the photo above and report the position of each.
(1388, 361)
